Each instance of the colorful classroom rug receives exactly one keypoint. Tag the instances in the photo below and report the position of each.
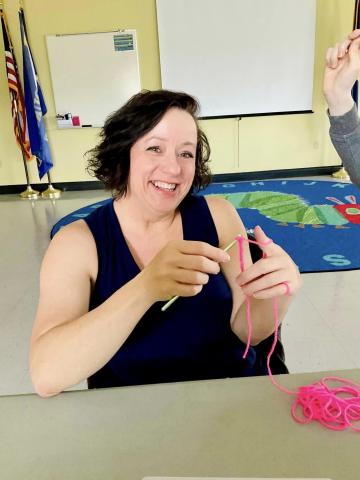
(316, 222)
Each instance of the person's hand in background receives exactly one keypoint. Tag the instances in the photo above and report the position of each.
(341, 71)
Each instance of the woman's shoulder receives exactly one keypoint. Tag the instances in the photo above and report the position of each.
(86, 228)
(213, 202)
(226, 219)
(220, 207)
(77, 230)
(74, 239)
(74, 244)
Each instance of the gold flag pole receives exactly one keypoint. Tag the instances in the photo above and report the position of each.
(341, 174)
(51, 192)
(29, 193)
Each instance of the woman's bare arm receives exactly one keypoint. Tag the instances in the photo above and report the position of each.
(68, 342)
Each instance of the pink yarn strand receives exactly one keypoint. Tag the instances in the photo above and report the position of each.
(240, 242)
(337, 407)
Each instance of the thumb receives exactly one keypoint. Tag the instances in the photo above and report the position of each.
(265, 243)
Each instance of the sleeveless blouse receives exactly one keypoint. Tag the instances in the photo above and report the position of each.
(192, 340)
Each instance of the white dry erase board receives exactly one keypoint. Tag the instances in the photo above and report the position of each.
(239, 57)
(92, 74)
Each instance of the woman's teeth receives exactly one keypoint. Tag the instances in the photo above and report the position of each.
(165, 186)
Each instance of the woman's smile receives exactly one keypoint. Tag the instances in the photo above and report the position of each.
(168, 187)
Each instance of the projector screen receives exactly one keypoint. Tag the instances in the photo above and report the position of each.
(239, 57)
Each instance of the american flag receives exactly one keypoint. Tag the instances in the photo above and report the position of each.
(15, 90)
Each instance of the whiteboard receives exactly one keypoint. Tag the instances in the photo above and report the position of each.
(239, 57)
(93, 74)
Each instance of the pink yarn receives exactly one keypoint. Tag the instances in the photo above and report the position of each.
(286, 285)
(336, 407)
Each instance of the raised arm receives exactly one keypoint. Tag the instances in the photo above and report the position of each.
(341, 71)
(342, 67)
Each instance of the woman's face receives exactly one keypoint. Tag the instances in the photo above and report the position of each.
(162, 162)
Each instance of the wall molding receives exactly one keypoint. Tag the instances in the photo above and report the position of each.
(220, 177)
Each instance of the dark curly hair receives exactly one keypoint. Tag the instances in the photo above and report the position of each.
(109, 161)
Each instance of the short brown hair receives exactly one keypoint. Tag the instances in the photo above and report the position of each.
(109, 161)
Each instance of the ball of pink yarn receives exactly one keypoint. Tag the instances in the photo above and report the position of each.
(336, 407)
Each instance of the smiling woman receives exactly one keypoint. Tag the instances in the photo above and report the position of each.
(110, 160)
(163, 162)
(104, 278)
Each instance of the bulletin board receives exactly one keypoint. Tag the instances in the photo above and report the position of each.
(93, 74)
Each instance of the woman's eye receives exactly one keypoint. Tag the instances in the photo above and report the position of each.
(187, 155)
(154, 149)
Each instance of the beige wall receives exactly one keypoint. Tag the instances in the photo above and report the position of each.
(256, 143)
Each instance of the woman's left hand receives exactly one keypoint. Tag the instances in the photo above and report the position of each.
(274, 275)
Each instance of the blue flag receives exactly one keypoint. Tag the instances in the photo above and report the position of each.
(35, 107)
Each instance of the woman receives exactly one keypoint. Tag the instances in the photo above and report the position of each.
(341, 72)
(104, 279)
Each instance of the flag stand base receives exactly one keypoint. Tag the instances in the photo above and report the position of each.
(341, 174)
(51, 192)
(29, 193)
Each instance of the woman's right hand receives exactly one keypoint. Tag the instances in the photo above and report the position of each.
(182, 268)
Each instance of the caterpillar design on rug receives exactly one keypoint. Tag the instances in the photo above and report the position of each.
(288, 208)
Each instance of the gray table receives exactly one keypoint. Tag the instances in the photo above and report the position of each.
(225, 428)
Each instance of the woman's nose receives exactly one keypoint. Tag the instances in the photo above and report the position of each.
(172, 164)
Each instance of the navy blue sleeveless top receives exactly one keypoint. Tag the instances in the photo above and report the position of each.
(192, 340)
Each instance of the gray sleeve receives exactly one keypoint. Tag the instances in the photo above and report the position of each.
(345, 136)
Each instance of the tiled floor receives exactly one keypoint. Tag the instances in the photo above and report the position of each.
(321, 331)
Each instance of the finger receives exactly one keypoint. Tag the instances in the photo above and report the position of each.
(275, 291)
(265, 243)
(191, 277)
(332, 59)
(287, 288)
(344, 45)
(328, 56)
(334, 56)
(354, 48)
(354, 34)
(263, 283)
(199, 264)
(260, 268)
(185, 290)
(204, 249)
